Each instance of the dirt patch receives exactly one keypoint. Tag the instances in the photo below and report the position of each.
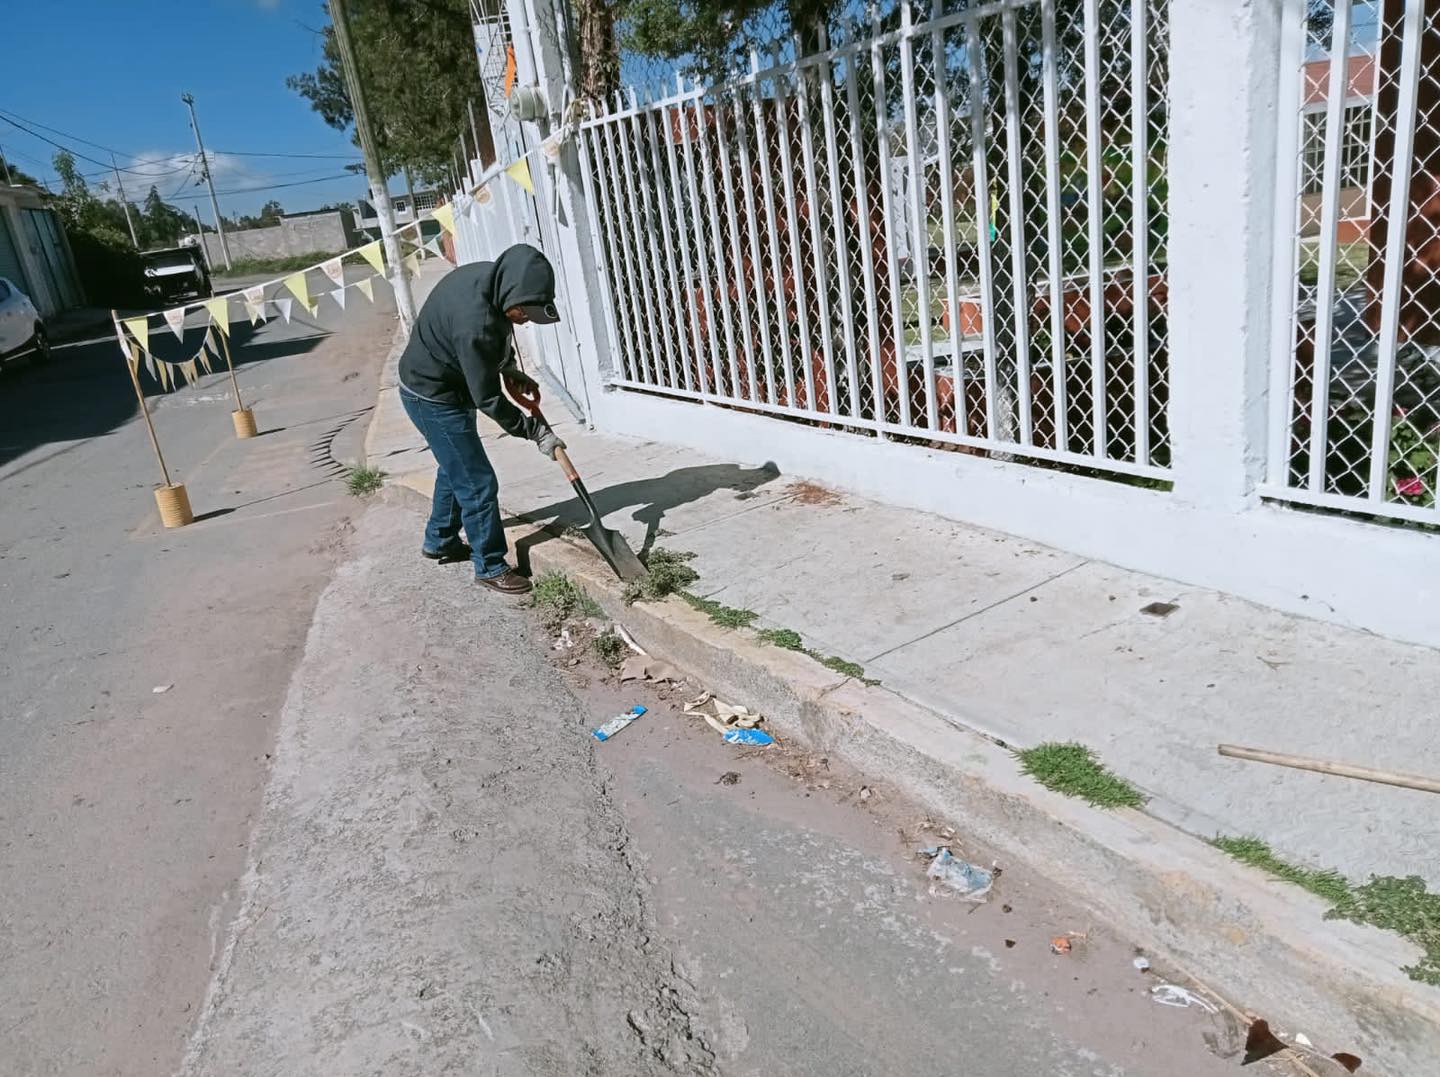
(809, 493)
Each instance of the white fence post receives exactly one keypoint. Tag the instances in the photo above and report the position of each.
(1221, 174)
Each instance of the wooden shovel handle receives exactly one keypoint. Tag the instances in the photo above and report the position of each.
(561, 458)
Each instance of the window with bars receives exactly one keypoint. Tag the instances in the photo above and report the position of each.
(1354, 147)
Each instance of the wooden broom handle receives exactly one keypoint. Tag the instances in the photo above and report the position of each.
(1325, 766)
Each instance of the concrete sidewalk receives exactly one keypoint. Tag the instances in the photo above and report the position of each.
(1028, 644)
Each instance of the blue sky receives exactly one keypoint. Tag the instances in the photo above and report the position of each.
(112, 71)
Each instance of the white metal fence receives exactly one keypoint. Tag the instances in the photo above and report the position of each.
(949, 229)
(1355, 395)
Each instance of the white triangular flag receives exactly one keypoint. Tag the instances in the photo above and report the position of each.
(175, 319)
(435, 247)
(285, 303)
(339, 296)
(335, 271)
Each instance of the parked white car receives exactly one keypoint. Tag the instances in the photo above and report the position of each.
(21, 328)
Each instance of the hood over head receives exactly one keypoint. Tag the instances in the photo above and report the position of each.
(523, 277)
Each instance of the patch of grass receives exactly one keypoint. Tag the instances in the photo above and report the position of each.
(667, 572)
(1330, 885)
(610, 647)
(1401, 905)
(1072, 769)
(364, 480)
(1405, 907)
(842, 665)
(720, 614)
(561, 598)
(787, 638)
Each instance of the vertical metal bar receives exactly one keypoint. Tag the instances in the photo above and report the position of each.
(1019, 271)
(1053, 212)
(802, 313)
(695, 347)
(757, 266)
(737, 253)
(837, 223)
(1284, 290)
(776, 268)
(1395, 244)
(887, 212)
(667, 224)
(919, 237)
(1140, 220)
(716, 242)
(625, 176)
(1095, 209)
(621, 238)
(651, 226)
(817, 240)
(867, 252)
(610, 264)
(707, 300)
(982, 220)
(1329, 221)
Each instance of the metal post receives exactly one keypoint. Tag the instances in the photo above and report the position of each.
(124, 202)
(380, 193)
(209, 182)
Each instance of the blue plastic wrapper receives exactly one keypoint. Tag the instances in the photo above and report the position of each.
(619, 722)
(748, 736)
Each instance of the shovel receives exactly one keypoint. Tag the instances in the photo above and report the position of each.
(612, 546)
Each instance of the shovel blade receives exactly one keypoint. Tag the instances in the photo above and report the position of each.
(616, 551)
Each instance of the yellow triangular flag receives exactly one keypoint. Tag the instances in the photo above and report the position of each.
(219, 309)
(132, 355)
(520, 173)
(140, 330)
(412, 263)
(366, 287)
(192, 370)
(296, 283)
(446, 216)
(371, 253)
(162, 375)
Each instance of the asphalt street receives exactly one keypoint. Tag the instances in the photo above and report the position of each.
(141, 670)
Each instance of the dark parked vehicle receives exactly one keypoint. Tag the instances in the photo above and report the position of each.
(176, 273)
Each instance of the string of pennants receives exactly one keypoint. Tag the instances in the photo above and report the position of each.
(135, 340)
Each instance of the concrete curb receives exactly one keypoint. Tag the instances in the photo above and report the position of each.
(1260, 942)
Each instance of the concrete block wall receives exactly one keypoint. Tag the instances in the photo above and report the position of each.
(312, 233)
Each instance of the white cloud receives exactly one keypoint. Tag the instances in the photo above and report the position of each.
(168, 170)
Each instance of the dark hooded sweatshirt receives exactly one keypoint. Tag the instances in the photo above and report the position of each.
(462, 337)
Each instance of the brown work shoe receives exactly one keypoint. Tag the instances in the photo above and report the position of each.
(508, 582)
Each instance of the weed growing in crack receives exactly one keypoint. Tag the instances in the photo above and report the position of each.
(1401, 905)
(787, 638)
(364, 480)
(667, 572)
(1073, 770)
(720, 614)
(560, 598)
(610, 647)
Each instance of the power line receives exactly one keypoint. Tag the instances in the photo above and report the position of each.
(66, 134)
(277, 186)
(68, 149)
(315, 156)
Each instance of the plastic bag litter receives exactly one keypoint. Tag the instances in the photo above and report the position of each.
(644, 668)
(734, 723)
(1181, 997)
(969, 881)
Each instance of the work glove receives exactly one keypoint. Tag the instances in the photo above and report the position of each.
(546, 440)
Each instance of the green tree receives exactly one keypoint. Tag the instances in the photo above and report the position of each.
(417, 60)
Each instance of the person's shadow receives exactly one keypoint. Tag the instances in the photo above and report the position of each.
(651, 498)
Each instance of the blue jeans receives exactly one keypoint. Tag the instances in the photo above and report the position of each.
(466, 489)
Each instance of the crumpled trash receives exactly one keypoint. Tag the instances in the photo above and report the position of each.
(1060, 945)
(639, 667)
(161, 689)
(736, 724)
(1181, 997)
(969, 881)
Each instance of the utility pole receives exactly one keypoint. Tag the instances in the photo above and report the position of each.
(379, 189)
(205, 168)
(4, 164)
(124, 202)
